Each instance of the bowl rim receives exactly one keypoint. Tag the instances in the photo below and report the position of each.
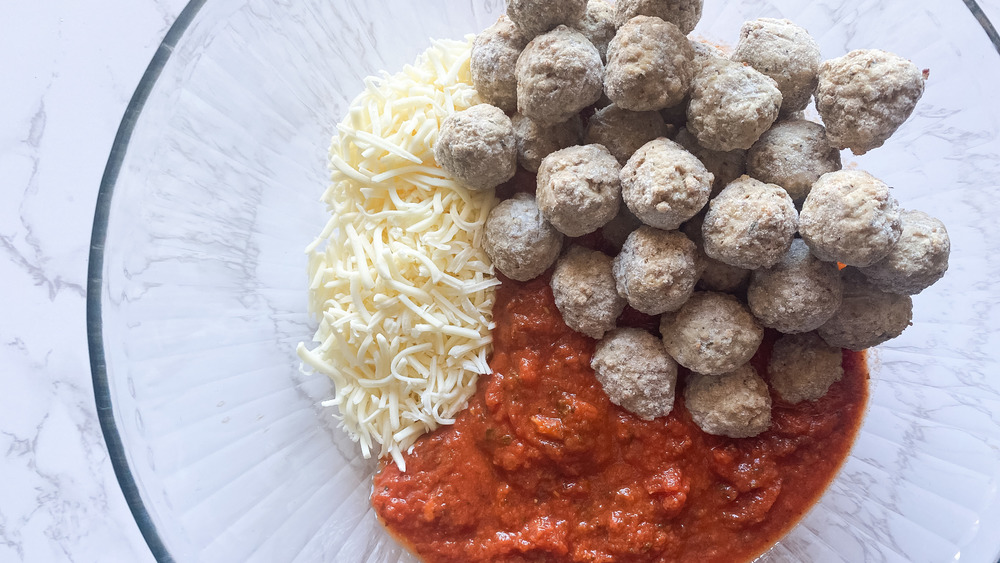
(95, 267)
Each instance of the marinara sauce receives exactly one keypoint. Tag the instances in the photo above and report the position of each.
(543, 467)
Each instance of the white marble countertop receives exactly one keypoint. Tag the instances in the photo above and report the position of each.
(69, 69)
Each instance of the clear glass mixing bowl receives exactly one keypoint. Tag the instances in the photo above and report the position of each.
(197, 290)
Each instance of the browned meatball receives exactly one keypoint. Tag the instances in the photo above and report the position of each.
(731, 105)
(636, 372)
(579, 189)
(682, 13)
(786, 53)
(477, 147)
(724, 166)
(649, 65)
(798, 294)
(736, 404)
(713, 333)
(803, 367)
(598, 25)
(494, 58)
(715, 275)
(519, 241)
(535, 140)
(793, 154)
(622, 131)
(664, 184)
(867, 316)
(656, 270)
(584, 290)
(534, 17)
(558, 74)
(918, 259)
(750, 224)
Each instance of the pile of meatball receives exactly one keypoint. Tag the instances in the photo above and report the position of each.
(730, 212)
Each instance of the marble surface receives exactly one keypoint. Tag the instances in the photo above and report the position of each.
(69, 69)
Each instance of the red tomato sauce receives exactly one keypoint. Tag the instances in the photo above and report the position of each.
(543, 467)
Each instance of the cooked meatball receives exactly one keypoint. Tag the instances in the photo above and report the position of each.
(656, 270)
(579, 189)
(803, 367)
(786, 53)
(864, 96)
(682, 13)
(793, 154)
(622, 131)
(477, 147)
(867, 316)
(715, 275)
(725, 166)
(649, 65)
(731, 105)
(704, 53)
(534, 17)
(519, 241)
(619, 228)
(636, 372)
(849, 216)
(558, 74)
(664, 184)
(584, 289)
(798, 294)
(598, 25)
(736, 404)
(750, 224)
(535, 140)
(713, 333)
(494, 58)
(918, 259)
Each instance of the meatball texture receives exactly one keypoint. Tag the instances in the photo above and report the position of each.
(656, 270)
(636, 372)
(579, 189)
(713, 333)
(864, 96)
(623, 132)
(535, 140)
(584, 290)
(793, 154)
(494, 58)
(849, 216)
(798, 294)
(715, 275)
(731, 105)
(725, 166)
(519, 241)
(649, 65)
(558, 74)
(918, 259)
(664, 185)
(867, 316)
(803, 367)
(534, 17)
(477, 147)
(750, 224)
(785, 52)
(685, 14)
(736, 404)
(598, 25)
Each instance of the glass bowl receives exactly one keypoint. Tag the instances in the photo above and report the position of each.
(197, 292)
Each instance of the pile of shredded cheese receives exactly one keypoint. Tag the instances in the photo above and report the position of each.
(399, 282)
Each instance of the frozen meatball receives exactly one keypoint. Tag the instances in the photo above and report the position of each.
(664, 184)
(713, 333)
(534, 17)
(704, 53)
(536, 140)
(725, 166)
(622, 131)
(477, 147)
(793, 154)
(867, 316)
(636, 372)
(656, 270)
(750, 224)
(558, 74)
(918, 259)
(494, 58)
(803, 367)
(864, 96)
(786, 53)
(798, 294)
(849, 216)
(715, 275)
(579, 189)
(682, 13)
(649, 65)
(618, 229)
(731, 105)
(519, 241)
(598, 25)
(736, 404)
(584, 290)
